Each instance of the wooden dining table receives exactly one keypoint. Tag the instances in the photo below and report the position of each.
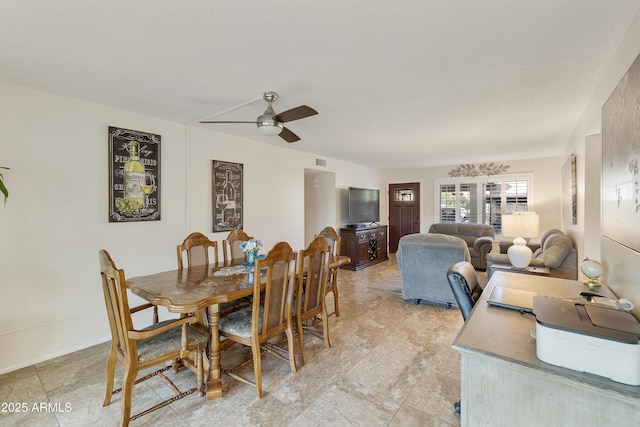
(192, 289)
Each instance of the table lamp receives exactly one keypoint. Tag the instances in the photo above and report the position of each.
(520, 225)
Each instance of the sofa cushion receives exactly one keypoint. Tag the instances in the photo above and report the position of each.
(555, 249)
(547, 234)
(467, 232)
(476, 230)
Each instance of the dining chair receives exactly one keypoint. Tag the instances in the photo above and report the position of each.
(198, 250)
(466, 290)
(231, 245)
(138, 349)
(310, 310)
(334, 240)
(269, 316)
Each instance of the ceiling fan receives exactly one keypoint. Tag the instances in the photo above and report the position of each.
(271, 123)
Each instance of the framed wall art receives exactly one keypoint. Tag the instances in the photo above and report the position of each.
(621, 161)
(569, 191)
(227, 195)
(134, 175)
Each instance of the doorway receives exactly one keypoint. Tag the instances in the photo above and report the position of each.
(319, 202)
(404, 212)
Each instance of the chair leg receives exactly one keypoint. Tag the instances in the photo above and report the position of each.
(325, 327)
(336, 309)
(111, 370)
(300, 342)
(292, 350)
(127, 390)
(257, 368)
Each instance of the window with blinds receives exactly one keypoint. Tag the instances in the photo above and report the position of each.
(483, 200)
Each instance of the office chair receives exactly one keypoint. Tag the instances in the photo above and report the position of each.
(466, 290)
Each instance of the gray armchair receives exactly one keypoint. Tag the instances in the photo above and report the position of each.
(424, 260)
(479, 239)
(556, 252)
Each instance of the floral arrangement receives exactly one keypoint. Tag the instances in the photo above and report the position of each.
(251, 246)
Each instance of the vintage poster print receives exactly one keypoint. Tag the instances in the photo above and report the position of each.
(227, 195)
(134, 176)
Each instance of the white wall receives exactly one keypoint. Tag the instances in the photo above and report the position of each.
(547, 188)
(319, 203)
(55, 220)
(622, 265)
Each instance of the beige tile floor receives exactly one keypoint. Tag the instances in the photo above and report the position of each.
(390, 364)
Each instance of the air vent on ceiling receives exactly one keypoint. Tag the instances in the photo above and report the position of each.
(321, 162)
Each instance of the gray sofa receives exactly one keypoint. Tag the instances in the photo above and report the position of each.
(556, 252)
(424, 260)
(479, 239)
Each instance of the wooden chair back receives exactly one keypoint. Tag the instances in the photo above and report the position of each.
(333, 238)
(275, 270)
(231, 245)
(197, 247)
(311, 289)
(270, 314)
(137, 349)
(335, 241)
(117, 303)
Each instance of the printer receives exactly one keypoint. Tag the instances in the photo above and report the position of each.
(587, 337)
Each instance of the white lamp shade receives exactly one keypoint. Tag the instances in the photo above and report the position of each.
(520, 225)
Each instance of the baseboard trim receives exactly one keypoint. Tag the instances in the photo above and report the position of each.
(25, 345)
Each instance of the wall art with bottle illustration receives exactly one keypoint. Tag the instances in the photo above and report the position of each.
(227, 195)
(134, 175)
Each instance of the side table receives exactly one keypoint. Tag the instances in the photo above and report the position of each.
(540, 271)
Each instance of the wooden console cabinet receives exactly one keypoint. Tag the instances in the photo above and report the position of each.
(364, 246)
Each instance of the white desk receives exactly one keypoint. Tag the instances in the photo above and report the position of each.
(504, 384)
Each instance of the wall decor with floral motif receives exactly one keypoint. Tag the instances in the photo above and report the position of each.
(483, 169)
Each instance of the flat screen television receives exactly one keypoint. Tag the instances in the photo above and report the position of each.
(364, 205)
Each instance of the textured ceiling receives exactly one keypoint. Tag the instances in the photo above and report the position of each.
(397, 83)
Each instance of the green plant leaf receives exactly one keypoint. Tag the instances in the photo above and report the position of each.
(3, 188)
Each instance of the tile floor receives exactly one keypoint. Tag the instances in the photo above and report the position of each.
(391, 364)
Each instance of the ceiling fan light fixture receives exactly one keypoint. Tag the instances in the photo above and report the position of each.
(271, 124)
(271, 130)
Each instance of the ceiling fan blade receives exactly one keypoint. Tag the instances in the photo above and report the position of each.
(295, 114)
(288, 136)
(225, 121)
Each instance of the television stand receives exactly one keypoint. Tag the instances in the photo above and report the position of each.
(364, 246)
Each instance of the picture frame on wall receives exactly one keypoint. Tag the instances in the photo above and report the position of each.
(227, 195)
(621, 161)
(134, 175)
(569, 191)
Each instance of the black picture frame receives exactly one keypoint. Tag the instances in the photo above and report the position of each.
(128, 201)
(227, 195)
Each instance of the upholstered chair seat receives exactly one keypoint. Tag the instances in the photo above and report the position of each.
(239, 323)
